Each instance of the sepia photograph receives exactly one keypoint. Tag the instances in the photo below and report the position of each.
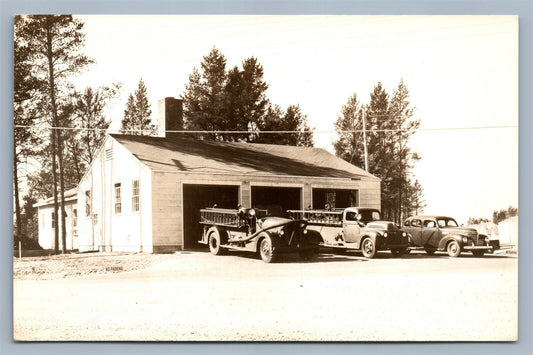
(272, 178)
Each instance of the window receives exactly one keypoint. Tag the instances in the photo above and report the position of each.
(416, 223)
(53, 220)
(407, 223)
(429, 224)
(74, 217)
(88, 203)
(135, 196)
(118, 203)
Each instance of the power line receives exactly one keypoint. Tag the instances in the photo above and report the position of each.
(267, 132)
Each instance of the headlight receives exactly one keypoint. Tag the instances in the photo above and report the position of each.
(404, 234)
(251, 212)
(465, 240)
(385, 235)
(281, 232)
(305, 231)
(487, 240)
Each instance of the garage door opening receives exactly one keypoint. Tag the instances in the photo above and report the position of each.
(277, 200)
(335, 198)
(196, 197)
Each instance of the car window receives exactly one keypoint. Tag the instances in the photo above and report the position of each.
(429, 224)
(407, 223)
(451, 223)
(441, 222)
(416, 223)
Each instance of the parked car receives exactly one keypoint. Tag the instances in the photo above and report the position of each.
(440, 233)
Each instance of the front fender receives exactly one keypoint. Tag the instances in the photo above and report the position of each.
(444, 241)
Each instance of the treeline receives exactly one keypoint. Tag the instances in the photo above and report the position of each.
(498, 216)
(386, 123)
(57, 127)
(220, 99)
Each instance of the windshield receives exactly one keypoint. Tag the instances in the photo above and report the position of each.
(447, 222)
(369, 215)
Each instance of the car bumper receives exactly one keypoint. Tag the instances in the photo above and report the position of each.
(488, 248)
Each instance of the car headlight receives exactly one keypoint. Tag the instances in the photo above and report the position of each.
(281, 232)
(487, 240)
(305, 231)
(385, 235)
(465, 240)
(404, 234)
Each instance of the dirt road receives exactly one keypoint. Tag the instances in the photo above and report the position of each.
(198, 296)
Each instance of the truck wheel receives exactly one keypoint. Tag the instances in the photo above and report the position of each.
(308, 254)
(214, 243)
(453, 249)
(478, 253)
(368, 248)
(266, 250)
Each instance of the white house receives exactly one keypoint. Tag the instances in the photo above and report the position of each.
(144, 193)
(47, 217)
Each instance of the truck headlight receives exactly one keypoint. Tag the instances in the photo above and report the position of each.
(465, 240)
(404, 234)
(385, 235)
(281, 232)
(304, 231)
(487, 240)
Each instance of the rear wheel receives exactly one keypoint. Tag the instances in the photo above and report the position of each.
(453, 249)
(214, 243)
(266, 250)
(368, 248)
(478, 253)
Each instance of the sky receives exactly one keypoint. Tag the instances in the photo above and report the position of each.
(461, 72)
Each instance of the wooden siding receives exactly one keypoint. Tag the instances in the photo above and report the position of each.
(106, 230)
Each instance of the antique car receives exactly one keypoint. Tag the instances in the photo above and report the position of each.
(355, 228)
(440, 233)
(250, 229)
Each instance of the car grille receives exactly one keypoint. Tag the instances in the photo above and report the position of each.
(394, 238)
(480, 240)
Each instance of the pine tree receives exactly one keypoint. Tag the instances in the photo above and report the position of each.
(388, 126)
(137, 115)
(54, 43)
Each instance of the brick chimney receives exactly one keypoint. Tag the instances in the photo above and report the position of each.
(170, 117)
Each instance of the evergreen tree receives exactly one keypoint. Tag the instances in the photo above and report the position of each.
(54, 44)
(292, 120)
(205, 96)
(137, 115)
(388, 126)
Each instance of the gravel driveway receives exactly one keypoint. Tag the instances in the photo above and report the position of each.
(198, 296)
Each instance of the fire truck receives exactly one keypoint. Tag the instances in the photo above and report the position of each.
(355, 228)
(250, 229)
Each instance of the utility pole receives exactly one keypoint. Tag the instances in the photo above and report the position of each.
(364, 140)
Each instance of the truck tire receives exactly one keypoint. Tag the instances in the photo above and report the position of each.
(214, 243)
(368, 247)
(308, 254)
(266, 250)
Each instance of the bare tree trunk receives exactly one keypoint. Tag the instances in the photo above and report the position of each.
(54, 177)
(62, 185)
(55, 148)
(18, 230)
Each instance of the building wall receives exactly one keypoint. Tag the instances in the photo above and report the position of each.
(106, 229)
(167, 202)
(46, 230)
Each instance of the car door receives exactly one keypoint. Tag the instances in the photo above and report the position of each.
(414, 228)
(351, 227)
(430, 233)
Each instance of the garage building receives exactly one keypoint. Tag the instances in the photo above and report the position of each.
(144, 193)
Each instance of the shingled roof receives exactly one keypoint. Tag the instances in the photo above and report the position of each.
(183, 154)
